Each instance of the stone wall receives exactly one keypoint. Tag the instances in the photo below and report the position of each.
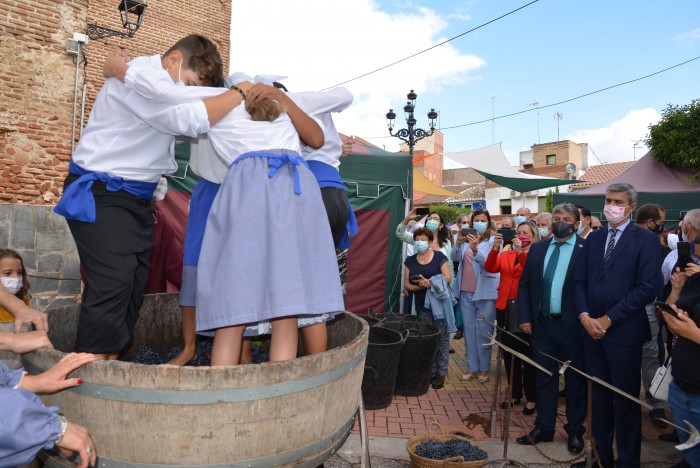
(43, 240)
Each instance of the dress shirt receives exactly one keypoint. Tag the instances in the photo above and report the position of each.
(131, 137)
(565, 252)
(618, 235)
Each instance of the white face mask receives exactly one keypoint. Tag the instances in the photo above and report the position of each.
(179, 72)
(13, 285)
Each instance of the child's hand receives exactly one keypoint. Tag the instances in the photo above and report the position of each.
(115, 65)
(260, 91)
(347, 146)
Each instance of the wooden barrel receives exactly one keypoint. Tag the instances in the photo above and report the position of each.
(291, 413)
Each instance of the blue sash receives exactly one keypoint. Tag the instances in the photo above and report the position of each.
(328, 176)
(78, 202)
(276, 159)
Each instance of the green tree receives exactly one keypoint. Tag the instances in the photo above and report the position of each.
(448, 213)
(675, 140)
(548, 201)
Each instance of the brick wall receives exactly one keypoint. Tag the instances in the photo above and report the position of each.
(37, 77)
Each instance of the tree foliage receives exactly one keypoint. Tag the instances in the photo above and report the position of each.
(449, 213)
(675, 140)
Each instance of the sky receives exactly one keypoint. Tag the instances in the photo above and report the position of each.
(547, 52)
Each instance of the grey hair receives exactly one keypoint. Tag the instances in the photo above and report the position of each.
(567, 208)
(623, 187)
(693, 218)
(544, 214)
(459, 216)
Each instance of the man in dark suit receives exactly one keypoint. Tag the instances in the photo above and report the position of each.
(619, 274)
(546, 311)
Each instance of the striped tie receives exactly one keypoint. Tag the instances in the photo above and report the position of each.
(548, 278)
(611, 246)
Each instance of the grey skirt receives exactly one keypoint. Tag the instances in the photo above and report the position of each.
(267, 251)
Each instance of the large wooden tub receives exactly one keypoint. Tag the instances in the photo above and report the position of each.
(292, 413)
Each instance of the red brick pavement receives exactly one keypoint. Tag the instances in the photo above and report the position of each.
(450, 406)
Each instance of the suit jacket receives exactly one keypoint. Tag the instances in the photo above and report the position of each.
(630, 280)
(486, 282)
(530, 287)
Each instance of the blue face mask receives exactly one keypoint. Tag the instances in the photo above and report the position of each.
(465, 225)
(420, 246)
(580, 228)
(520, 219)
(432, 225)
(480, 226)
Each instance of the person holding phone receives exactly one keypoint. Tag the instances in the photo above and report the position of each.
(510, 264)
(418, 270)
(684, 390)
(689, 230)
(442, 235)
(477, 290)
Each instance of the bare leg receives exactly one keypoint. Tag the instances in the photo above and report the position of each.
(226, 350)
(246, 351)
(315, 338)
(189, 337)
(284, 341)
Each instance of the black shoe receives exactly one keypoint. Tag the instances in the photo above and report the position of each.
(575, 444)
(534, 437)
(438, 382)
(656, 415)
(670, 437)
(582, 464)
(459, 335)
(529, 411)
(504, 404)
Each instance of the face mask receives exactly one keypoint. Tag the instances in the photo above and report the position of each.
(420, 246)
(179, 71)
(13, 285)
(520, 219)
(480, 226)
(465, 225)
(614, 214)
(580, 228)
(544, 232)
(562, 230)
(432, 225)
(658, 228)
(525, 240)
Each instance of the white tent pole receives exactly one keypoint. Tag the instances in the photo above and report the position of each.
(406, 210)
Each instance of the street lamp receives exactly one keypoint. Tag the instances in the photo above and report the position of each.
(411, 134)
(131, 12)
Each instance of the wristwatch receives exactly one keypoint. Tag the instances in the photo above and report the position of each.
(64, 426)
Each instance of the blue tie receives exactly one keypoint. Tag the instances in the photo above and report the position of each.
(611, 246)
(548, 278)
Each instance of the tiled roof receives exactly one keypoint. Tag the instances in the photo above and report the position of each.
(469, 193)
(602, 173)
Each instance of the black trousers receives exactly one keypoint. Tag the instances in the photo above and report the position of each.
(338, 210)
(523, 374)
(114, 254)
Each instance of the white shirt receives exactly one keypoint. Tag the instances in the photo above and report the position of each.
(320, 105)
(128, 136)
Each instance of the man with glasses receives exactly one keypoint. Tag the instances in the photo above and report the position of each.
(652, 217)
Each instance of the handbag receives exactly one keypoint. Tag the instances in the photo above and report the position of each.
(662, 379)
(512, 316)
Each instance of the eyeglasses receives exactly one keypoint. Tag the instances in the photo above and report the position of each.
(595, 228)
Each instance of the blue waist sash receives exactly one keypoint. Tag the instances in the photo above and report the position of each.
(78, 202)
(328, 176)
(275, 160)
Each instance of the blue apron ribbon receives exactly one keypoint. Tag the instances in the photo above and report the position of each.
(275, 160)
(78, 202)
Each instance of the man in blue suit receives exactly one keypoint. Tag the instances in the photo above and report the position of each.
(546, 311)
(619, 274)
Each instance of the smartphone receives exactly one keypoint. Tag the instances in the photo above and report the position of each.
(666, 308)
(423, 211)
(684, 256)
(508, 235)
(466, 232)
(414, 278)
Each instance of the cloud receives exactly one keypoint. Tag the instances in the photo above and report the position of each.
(688, 38)
(614, 143)
(321, 43)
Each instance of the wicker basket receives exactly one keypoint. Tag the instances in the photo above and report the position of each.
(455, 462)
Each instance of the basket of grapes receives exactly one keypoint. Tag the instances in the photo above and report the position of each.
(444, 450)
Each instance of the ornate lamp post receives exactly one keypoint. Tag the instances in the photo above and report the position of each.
(131, 12)
(411, 134)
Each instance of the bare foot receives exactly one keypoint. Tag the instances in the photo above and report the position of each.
(183, 358)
